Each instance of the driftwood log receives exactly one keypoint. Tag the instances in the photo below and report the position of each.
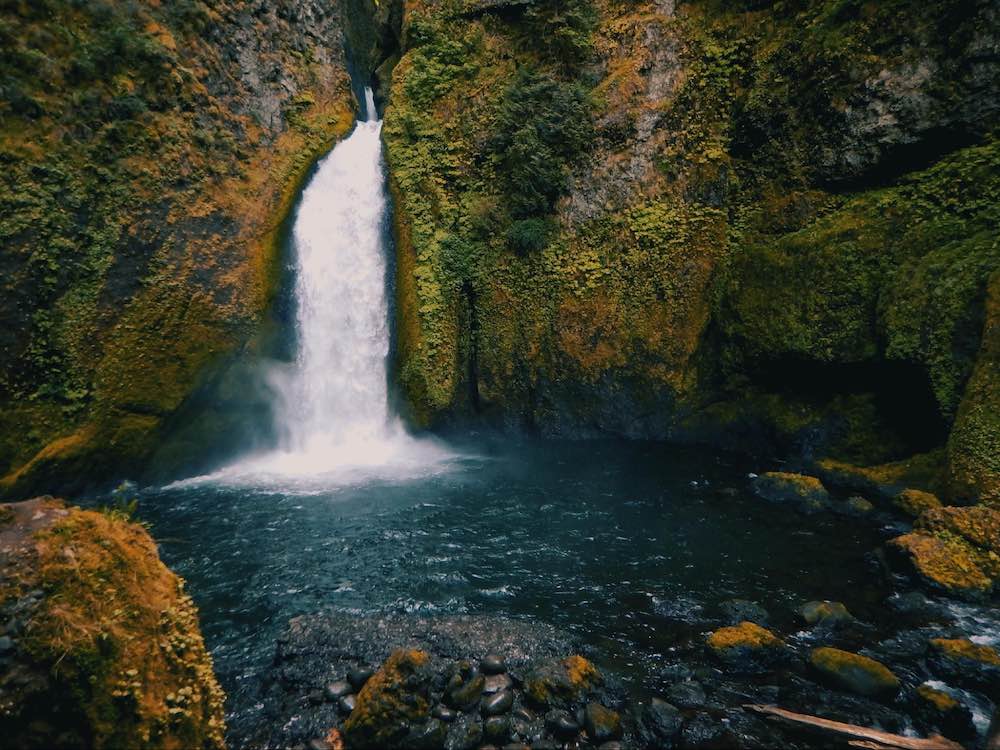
(855, 736)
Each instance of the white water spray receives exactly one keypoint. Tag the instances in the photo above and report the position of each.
(332, 409)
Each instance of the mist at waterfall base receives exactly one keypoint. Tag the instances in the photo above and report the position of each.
(331, 405)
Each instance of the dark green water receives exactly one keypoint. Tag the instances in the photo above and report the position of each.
(630, 546)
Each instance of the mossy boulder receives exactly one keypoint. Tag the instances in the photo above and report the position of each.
(914, 502)
(804, 492)
(954, 549)
(106, 649)
(966, 663)
(562, 683)
(392, 702)
(939, 709)
(825, 613)
(747, 646)
(923, 471)
(854, 672)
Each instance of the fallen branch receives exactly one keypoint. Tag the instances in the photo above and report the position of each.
(858, 736)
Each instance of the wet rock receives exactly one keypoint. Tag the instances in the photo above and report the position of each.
(914, 502)
(825, 613)
(687, 694)
(493, 664)
(464, 734)
(941, 710)
(497, 682)
(806, 493)
(392, 700)
(854, 506)
(917, 606)
(428, 736)
(855, 672)
(444, 713)
(524, 714)
(359, 676)
(498, 703)
(602, 724)
(704, 731)
(659, 723)
(966, 663)
(337, 690)
(746, 646)
(347, 703)
(561, 724)
(466, 696)
(735, 611)
(560, 683)
(497, 729)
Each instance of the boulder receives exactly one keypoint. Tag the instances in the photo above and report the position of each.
(855, 672)
(942, 711)
(561, 683)
(735, 611)
(746, 646)
(806, 493)
(660, 722)
(915, 502)
(825, 613)
(103, 647)
(967, 664)
(392, 702)
(602, 724)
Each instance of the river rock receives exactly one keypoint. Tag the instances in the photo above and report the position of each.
(359, 676)
(941, 710)
(493, 664)
(602, 724)
(497, 682)
(735, 611)
(560, 683)
(806, 493)
(746, 646)
(392, 700)
(825, 613)
(914, 502)
(466, 695)
(687, 694)
(855, 672)
(496, 729)
(337, 690)
(498, 703)
(966, 664)
(444, 713)
(347, 703)
(660, 722)
(562, 724)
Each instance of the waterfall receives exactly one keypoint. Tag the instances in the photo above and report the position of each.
(332, 408)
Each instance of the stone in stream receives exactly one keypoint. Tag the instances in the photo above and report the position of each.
(337, 690)
(941, 710)
(602, 724)
(735, 611)
(806, 493)
(348, 703)
(466, 695)
(496, 729)
(746, 647)
(561, 682)
(498, 703)
(825, 613)
(660, 722)
(444, 713)
(687, 694)
(497, 682)
(561, 724)
(493, 664)
(966, 664)
(855, 672)
(359, 676)
(393, 700)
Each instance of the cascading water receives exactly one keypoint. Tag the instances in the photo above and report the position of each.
(332, 409)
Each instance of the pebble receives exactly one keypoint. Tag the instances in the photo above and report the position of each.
(497, 682)
(498, 703)
(497, 729)
(358, 677)
(524, 714)
(337, 690)
(347, 703)
(444, 713)
(493, 664)
(561, 724)
(467, 696)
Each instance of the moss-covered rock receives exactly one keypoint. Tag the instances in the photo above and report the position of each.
(966, 664)
(915, 502)
(855, 672)
(106, 647)
(562, 683)
(392, 701)
(804, 492)
(746, 646)
(825, 613)
(941, 710)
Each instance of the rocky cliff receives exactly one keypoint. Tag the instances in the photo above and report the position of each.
(761, 223)
(150, 151)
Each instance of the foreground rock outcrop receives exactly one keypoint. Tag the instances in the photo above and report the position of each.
(100, 646)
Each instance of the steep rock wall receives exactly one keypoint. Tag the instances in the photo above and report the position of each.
(773, 217)
(150, 151)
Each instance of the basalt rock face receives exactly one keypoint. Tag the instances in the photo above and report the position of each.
(150, 151)
(767, 224)
(100, 646)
